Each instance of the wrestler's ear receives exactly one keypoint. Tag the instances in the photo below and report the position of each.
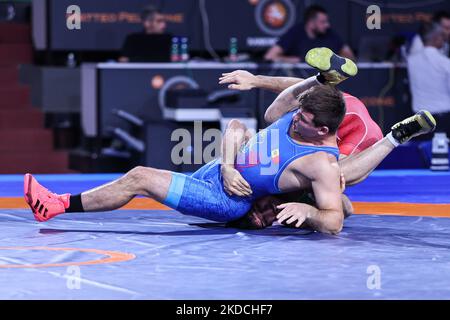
(323, 131)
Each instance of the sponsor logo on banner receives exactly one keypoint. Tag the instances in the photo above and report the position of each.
(261, 41)
(406, 18)
(122, 17)
(275, 17)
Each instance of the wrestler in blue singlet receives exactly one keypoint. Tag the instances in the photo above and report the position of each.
(261, 162)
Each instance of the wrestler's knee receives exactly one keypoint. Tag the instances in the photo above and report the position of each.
(136, 173)
(138, 177)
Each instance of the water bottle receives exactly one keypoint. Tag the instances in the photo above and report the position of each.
(233, 49)
(175, 53)
(71, 62)
(184, 49)
(11, 12)
(439, 157)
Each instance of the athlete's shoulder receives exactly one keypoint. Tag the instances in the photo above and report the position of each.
(318, 164)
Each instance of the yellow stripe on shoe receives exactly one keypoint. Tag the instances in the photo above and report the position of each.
(332, 67)
(319, 58)
(427, 119)
(349, 67)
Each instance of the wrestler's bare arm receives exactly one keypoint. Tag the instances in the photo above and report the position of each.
(354, 171)
(236, 134)
(327, 216)
(287, 100)
(244, 80)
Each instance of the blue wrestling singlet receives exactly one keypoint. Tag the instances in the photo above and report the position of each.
(261, 162)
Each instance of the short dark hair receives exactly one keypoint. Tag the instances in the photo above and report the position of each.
(326, 103)
(148, 12)
(312, 11)
(439, 15)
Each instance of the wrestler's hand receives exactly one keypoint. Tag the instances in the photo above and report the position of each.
(234, 183)
(239, 80)
(291, 212)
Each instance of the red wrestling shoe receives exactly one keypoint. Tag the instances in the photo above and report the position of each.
(44, 204)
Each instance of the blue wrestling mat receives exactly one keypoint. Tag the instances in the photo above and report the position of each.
(151, 254)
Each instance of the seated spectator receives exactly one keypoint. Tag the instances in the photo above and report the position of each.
(153, 23)
(314, 32)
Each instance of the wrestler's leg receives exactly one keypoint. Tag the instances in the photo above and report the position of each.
(357, 167)
(145, 181)
(148, 182)
(200, 194)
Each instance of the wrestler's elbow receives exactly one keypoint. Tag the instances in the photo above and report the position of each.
(334, 224)
(270, 116)
(334, 229)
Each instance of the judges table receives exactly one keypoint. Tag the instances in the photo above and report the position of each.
(141, 88)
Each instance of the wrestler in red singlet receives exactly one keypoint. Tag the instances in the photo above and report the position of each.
(357, 131)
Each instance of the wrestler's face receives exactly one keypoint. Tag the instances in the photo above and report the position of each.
(303, 123)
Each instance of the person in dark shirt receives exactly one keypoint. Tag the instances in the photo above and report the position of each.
(314, 32)
(153, 23)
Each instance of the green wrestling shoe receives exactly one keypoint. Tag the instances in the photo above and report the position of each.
(333, 68)
(420, 123)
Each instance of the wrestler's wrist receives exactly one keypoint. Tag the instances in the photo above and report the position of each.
(258, 82)
(226, 166)
(311, 212)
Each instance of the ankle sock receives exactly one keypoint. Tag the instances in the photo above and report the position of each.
(75, 204)
(392, 139)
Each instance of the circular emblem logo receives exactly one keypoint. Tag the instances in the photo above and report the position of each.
(275, 17)
(177, 82)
